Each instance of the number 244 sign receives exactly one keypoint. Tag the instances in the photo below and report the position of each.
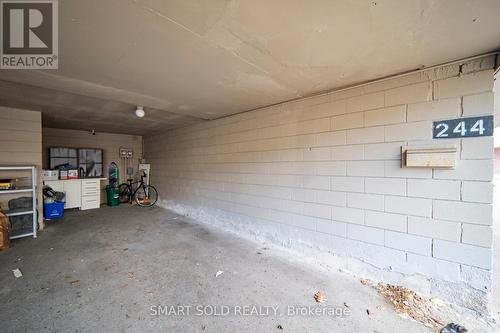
(463, 127)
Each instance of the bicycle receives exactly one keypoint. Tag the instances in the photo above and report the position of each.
(144, 195)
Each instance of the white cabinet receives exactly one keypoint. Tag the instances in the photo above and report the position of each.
(56, 185)
(72, 189)
(80, 193)
(91, 194)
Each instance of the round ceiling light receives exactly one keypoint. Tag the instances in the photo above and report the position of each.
(140, 112)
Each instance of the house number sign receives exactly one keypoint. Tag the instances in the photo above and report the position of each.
(463, 127)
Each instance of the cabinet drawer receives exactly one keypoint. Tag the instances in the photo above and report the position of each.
(90, 183)
(90, 203)
(90, 188)
(90, 191)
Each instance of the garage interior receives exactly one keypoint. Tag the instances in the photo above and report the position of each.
(305, 155)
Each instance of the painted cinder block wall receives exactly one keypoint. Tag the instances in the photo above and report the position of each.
(323, 173)
(21, 144)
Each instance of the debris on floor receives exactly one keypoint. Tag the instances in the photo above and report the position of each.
(453, 328)
(75, 283)
(408, 304)
(365, 282)
(17, 273)
(279, 327)
(439, 322)
(368, 312)
(218, 273)
(438, 302)
(319, 297)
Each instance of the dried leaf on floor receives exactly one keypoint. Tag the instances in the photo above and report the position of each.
(408, 303)
(439, 322)
(75, 283)
(319, 297)
(365, 282)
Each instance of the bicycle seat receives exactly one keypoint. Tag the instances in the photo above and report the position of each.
(130, 179)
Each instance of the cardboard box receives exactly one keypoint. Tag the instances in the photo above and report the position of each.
(4, 232)
(73, 174)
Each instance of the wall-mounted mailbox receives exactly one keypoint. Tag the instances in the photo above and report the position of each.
(428, 157)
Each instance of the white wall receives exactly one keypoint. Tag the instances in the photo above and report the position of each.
(324, 173)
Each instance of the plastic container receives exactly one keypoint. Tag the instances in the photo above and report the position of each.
(52, 211)
(113, 195)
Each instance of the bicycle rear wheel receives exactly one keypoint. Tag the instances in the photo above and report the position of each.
(146, 196)
(124, 191)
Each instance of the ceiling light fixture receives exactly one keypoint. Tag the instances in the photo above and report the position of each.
(140, 112)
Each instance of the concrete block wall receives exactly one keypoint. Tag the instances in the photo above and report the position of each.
(324, 173)
(21, 144)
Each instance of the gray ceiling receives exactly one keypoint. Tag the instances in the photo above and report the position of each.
(188, 60)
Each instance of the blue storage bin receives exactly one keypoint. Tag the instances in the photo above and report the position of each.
(53, 210)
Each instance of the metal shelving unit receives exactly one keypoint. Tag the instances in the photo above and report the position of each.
(32, 190)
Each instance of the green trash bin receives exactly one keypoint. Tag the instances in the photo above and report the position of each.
(113, 195)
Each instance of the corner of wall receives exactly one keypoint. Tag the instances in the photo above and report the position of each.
(324, 175)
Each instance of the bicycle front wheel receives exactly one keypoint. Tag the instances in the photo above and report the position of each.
(146, 196)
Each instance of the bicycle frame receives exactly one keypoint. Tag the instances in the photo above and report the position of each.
(132, 191)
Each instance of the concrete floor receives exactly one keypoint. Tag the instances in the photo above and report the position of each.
(102, 271)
